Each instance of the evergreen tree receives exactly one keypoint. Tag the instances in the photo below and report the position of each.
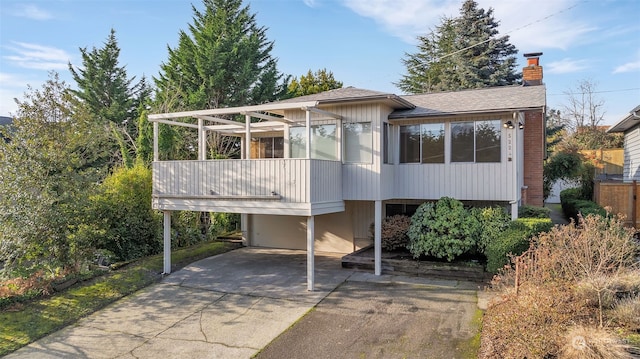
(110, 95)
(461, 53)
(224, 61)
(104, 85)
(311, 83)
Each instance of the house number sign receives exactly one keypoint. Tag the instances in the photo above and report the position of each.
(509, 146)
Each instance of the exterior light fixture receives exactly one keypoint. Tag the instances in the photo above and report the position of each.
(508, 124)
(521, 125)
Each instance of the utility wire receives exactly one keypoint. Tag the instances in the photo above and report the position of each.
(507, 33)
(584, 93)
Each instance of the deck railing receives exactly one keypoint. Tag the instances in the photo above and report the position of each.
(285, 180)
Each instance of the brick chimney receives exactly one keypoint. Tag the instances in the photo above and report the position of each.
(532, 73)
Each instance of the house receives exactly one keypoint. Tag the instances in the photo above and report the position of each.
(318, 170)
(630, 126)
(620, 193)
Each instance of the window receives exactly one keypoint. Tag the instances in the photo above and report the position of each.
(432, 142)
(410, 144)
(488, 141)
(462, 142)
(323, 142)
(358, 142)
(422, 143)
(478, 141)
(393, 209)
(267, 147)
(387, 151)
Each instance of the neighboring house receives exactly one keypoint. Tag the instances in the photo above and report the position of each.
(630, 126)
(620, 194)
(370, 155)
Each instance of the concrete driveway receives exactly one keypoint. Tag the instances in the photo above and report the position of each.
(235, 304)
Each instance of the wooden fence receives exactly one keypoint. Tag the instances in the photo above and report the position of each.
(607, 162)
(620, 197)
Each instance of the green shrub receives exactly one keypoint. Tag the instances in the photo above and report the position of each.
(394, 232)
(493, 221)
(124, 222)
(515, 240)
(534, 212)
(574, 203)
(443, 230)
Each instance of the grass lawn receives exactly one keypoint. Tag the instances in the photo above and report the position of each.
(25, 323)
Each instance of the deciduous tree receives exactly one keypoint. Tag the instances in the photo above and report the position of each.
(48, 170)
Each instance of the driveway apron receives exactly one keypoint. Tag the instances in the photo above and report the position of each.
(235, 304)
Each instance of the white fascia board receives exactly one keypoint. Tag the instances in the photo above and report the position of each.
(268, 107)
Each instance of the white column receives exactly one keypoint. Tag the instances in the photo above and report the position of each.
(377, 239)
(202, 141)
(244, 228)
(156, 155)
(287, 144)
(247, 136)
(308, 131)
(167, 241)
(310, 253)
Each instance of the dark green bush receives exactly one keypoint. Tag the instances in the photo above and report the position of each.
(534, 212)
(394, 232)
(574, 203)
(443, 230)
(514, 241)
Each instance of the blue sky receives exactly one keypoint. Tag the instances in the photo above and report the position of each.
(361, 41)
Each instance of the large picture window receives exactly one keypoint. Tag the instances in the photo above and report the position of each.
(323, 142)
(357, 142)
(478, 141)
(422, 143)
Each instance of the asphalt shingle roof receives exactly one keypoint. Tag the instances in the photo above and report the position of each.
(504, 98)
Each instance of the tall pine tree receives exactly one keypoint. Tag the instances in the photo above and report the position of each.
(110, 95)
(224, 61)
(105, 87)
(461, 53)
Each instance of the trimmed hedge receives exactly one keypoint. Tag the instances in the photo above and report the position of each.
(514, 241)
(574, 203)
(534, 212)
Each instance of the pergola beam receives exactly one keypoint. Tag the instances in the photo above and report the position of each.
(263, 116)
(322, 112)
(218, 120)
(269, 107)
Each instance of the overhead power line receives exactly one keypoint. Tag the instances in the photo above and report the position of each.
(508, 32)
(583, 93)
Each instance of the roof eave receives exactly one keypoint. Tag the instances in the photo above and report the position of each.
(461, 113)
(627, 122)
(404, 104)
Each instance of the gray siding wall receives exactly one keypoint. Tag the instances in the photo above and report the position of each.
(632, 154)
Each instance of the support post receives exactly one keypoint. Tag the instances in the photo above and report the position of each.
(202, 141)
(167, 241)
(156, 155)
(308, 132)
(377, 241)
(244, 228)
(247, 138)
(634, 202)
(310, 253)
